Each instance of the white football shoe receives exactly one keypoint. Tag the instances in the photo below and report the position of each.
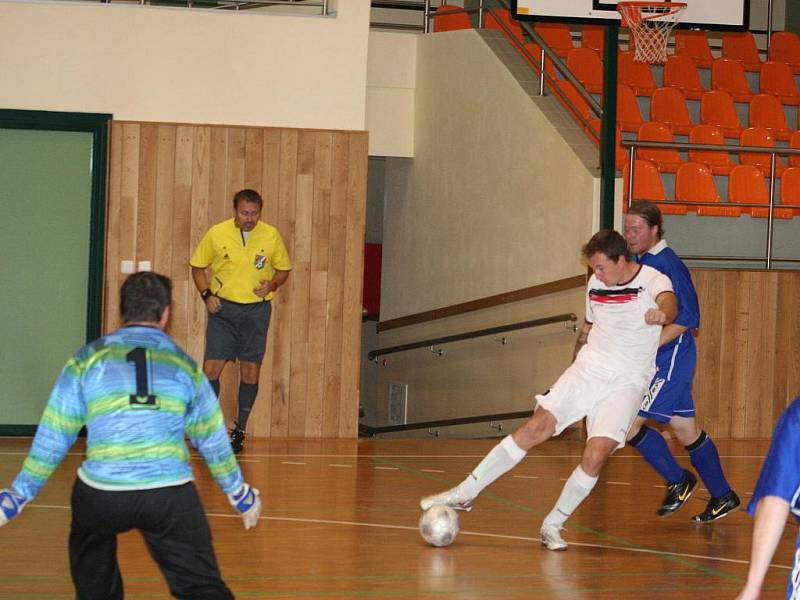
(451, 498)
(551, 537)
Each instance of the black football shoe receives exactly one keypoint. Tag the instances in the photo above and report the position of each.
(718, 508)
(677, 494)
(237, 439)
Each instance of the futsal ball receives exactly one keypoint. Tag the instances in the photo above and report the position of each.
(439, 525)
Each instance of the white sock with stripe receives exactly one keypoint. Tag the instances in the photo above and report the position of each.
(576, 489)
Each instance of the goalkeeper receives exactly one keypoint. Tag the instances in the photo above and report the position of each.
(138, 394)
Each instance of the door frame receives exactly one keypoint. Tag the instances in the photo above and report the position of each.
(98, 125)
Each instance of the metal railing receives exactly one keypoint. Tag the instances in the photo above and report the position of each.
(369, 431)
(323, 5)
(440, 341)
(774, 152)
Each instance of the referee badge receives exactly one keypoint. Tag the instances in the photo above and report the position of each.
(260, 261)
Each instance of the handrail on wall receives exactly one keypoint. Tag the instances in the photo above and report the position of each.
(430, 343)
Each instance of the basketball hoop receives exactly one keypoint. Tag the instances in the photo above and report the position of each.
(650, 24)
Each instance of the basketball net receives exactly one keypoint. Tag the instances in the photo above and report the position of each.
(650, 24)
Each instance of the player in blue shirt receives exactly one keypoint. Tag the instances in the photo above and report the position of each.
(776, 495)
(669, 400)
(139, 395)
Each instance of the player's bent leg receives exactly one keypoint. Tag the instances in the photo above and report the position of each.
(179, 540)
(502, 458)
(213, 368)
(576, 489)
(705, 459)
(93, 545)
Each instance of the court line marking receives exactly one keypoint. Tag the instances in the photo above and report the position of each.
(254, 455)
(676, 557)
(432, 471)
(519, 538)
(340, 466)
(292, 462)
(618, 483)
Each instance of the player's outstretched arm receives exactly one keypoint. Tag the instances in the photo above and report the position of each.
(247, 503)
(771, 514)
(11, 504)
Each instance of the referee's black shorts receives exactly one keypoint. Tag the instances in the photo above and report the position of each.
(238, 331)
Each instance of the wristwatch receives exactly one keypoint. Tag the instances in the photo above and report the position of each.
(206, 294)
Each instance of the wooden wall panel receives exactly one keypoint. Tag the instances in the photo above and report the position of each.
(169, 183)
(748, 350)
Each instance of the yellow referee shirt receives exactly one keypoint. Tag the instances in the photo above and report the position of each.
(237, 268)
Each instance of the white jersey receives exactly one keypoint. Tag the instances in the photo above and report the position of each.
(620, 340)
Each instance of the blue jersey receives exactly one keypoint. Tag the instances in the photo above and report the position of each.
(780, 475)
(139, 395)
(664, 259)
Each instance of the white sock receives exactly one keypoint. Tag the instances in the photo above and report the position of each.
(503, 457)
(575, 491)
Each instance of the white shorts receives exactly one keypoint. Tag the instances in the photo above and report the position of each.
(609, 401)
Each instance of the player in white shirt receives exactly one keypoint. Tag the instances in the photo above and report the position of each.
(626, 306)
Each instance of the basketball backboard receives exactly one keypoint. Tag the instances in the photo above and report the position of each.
(730, 15)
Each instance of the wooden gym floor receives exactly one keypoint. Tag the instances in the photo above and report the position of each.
(340, 521)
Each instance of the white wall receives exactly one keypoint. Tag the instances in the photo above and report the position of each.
(495, 200)
(187, 65)
(391, 74)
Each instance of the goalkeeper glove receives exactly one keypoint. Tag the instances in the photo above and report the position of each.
(247, 503)
(11, 504)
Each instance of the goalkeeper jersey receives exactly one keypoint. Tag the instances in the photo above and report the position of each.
(139, 396)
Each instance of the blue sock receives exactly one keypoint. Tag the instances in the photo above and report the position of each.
(653, 447)
(705, 460)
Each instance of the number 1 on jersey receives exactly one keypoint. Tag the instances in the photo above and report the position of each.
(142, 398)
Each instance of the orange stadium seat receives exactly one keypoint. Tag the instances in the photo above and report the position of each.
(694, 44)
(629, 117)
(646, 182)
(667, 105)
(500, 19)
(593, 36)
(746, 185)
(667, 160)
(695, 183)
(794, 144)
(637, 75)
(790, 189)
(681, 72)
(728, 75)
(777, 79)
(447, 22)
(557, 36)
(718, 161)
(785, 47)
(759, 137)
(767, 111)
(742, 46)
(585, 64)
(717, 108)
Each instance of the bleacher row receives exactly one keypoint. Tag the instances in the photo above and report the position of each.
(695, 97)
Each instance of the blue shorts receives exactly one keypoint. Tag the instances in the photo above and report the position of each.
(670, 392)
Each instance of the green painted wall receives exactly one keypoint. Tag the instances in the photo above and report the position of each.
(45, 204)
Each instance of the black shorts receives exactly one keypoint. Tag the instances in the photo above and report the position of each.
(175, 530)
(238, 331)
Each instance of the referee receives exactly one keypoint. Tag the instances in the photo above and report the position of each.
(248, 262)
